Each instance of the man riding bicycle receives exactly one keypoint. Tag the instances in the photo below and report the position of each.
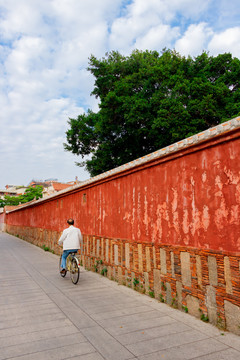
(71, 239)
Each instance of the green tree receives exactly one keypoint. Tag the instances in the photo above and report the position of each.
(148, 101)
(11, 200)
(30, 194)
(2, 203)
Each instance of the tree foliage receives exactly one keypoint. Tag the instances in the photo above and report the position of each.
(2, 203)
(31, 193)
(150, 100)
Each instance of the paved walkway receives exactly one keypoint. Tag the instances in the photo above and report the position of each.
(44, 316)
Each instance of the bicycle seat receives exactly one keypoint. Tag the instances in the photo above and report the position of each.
(72, 254)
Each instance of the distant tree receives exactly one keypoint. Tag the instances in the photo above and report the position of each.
(2, 203)
(11, 200)
(30, 194)
(148, 101)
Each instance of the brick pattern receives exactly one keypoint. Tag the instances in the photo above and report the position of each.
(36, 236)
(205, 283)
(200, 281)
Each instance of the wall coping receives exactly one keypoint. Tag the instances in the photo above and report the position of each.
(208, 134)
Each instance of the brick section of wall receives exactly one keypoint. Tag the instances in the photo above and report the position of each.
(37, 236)
(203, 282)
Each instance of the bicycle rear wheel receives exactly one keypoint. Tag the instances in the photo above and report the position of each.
(74, 272)
(63, 274)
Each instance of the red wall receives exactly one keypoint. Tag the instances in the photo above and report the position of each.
(188, 198)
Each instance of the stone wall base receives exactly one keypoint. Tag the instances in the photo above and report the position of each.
(2, 227)
(203, 283)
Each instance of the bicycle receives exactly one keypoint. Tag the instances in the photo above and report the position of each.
(73, 266)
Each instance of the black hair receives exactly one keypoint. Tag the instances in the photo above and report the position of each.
(70, 221)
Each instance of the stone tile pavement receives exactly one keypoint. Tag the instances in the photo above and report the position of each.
(44, 316)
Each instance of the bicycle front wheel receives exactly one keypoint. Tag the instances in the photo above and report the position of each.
(74, 272)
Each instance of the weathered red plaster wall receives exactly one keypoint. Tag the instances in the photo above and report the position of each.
(188, 198)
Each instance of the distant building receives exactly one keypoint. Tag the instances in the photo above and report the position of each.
(4, 192)
(12, 190)
(50, 186)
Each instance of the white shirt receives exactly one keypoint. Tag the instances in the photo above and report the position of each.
(71, 238)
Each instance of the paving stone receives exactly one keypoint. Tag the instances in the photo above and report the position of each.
(38, 335)
(78, 317)
(186, 351)
(40, 345)
(28, 320)
(229, 354)
(92, 356)
(106, 345)
(29, 328)
(131, 319)
(229, 339)
(18, 312)
(121, 312)
(165, 342)
(99, 309)
(60, 353)
(137, 325)
(169, 327)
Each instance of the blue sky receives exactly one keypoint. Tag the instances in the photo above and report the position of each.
(44, 51)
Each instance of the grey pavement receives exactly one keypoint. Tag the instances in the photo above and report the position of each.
(44, 316)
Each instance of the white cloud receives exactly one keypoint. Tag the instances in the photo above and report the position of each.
(226, 41)
(145, 21)
(167, 10)
(194, 41)
(157, 37)
(19, 17)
